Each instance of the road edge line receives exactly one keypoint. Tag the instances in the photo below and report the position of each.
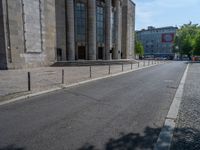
(64, 86)
(167, 132)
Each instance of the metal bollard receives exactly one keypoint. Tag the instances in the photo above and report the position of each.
(63, 76)
(138, 64)
(143, 63)
(29, 81)
(131, 65)
(109, 69)
(122, 67)
(90, 71)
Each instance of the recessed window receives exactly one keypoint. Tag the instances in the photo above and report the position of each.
(80, 21)
(100, 24)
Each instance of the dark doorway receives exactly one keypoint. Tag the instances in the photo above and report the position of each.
(112, 53)
(81, 52)
(100, 53)
(59, 54)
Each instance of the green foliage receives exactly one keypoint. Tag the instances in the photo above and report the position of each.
(139, 49)
(186, 38)
(196, 50)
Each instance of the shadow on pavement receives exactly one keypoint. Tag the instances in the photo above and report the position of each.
(11, 147)
(184, 139)
(130, 141)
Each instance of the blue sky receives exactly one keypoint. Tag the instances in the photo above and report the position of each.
(160, 13)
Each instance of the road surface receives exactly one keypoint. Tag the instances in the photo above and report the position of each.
(123, 112)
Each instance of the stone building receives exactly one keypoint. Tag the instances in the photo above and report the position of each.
(40, 32)
(158, 42)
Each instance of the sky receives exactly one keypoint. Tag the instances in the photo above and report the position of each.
(161, 13)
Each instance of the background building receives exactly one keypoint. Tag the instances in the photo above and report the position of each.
(40, 32)
(158, 42)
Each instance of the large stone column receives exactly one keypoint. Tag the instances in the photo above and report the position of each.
(92, 29)
(70, 30)
(3, 31)
(61, 34)
(118, 26)
(108, 44)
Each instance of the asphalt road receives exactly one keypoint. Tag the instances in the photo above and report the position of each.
(119, 113)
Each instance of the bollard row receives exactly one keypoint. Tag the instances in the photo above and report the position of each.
(62, 81)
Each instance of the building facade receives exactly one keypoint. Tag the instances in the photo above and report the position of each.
(158, 42)
(40, 32)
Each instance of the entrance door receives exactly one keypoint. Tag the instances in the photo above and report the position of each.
(100, 53)
(81, 52)
(59, 54)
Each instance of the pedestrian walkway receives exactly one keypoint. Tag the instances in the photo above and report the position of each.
(187, 133)
(14, 83)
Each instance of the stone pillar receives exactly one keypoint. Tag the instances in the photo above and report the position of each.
(70, 30)
(118, 26)
(108, 30)
(61, 28)
(92, 29)
(3, 31)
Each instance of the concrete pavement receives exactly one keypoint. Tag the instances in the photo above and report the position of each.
(126, 111)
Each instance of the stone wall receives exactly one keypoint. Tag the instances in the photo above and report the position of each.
(32, 33)
(32, 25)
(16, 36)
(49, 31)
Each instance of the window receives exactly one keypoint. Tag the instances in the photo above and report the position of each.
(100, 24)
(80, 22)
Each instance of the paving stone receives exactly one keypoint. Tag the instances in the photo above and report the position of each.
(187, 133)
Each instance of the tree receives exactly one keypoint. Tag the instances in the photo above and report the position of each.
(196, 50)
(139, 49)
(185, 39)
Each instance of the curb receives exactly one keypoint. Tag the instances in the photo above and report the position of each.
(166, 134)
(64, 86)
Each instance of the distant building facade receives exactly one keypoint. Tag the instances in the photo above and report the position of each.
(39, 32)
(158, 42)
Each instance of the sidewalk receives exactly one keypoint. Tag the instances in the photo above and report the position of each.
(187, 132)
(14, 83)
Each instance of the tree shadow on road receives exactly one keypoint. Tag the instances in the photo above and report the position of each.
(12, 147)
(130, 141)
(185, 139)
